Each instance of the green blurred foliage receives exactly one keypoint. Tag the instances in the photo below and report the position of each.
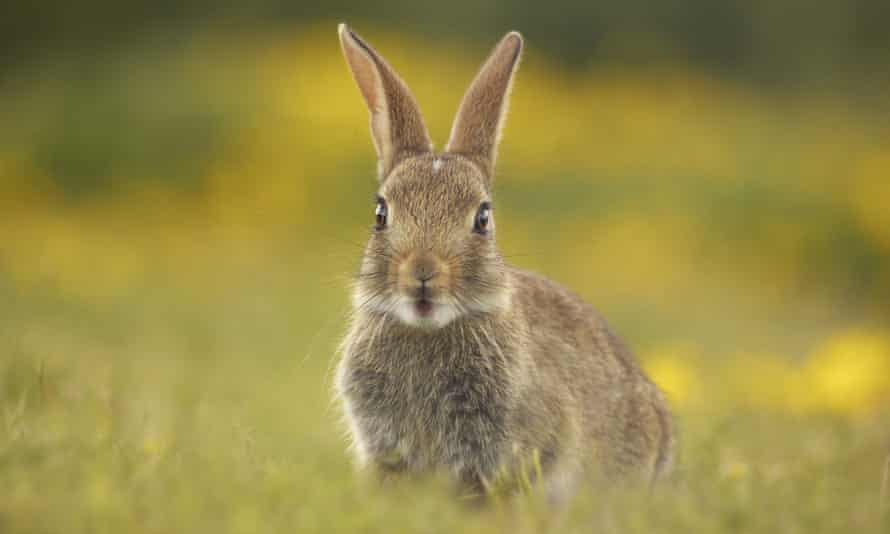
(786, 41)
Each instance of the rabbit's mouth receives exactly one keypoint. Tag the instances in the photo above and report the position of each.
(424, 300)
(423, 307)
(424, 311)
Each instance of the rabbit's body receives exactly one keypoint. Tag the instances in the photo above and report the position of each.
(455, 361)
(482, 393)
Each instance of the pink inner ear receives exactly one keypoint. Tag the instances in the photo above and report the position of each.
(363, 69)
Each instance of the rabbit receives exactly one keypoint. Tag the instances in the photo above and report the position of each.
(454, 361)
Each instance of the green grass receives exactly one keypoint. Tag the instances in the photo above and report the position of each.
(210, 411)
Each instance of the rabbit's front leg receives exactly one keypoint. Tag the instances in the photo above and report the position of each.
(377, 447)
(473, 418)
(475, 469)
(368, 411)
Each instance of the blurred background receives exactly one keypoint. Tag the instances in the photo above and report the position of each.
(185, 188)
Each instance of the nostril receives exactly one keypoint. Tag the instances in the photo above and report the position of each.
(424, 271)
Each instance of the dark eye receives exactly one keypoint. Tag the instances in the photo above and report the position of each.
(483, 217)
(380, 214)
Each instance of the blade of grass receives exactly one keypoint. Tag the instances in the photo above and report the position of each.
(885, 484)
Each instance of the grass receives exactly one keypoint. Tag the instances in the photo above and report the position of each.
(885, 484)
(211, 412)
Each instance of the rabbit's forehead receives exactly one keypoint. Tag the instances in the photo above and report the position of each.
(435, 184)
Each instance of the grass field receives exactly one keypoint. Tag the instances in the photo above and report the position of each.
(171, 412)
(178, 238)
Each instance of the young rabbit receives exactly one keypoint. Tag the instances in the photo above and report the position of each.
(454, 360)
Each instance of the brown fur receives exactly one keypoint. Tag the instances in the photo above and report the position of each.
(509, 364)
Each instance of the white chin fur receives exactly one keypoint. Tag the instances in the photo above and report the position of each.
(404, 310)
(440, 315)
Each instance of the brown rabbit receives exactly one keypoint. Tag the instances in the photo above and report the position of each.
(454, 360)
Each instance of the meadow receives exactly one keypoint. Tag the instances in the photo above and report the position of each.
(181, 221)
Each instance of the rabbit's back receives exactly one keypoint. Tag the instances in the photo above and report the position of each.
(618, 416)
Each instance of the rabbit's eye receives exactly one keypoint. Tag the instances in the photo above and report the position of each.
(483, 217)
(380, 213)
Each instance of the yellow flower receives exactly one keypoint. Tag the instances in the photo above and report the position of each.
(154, 445)
(669, 367)
(850, 373)
(734, 469)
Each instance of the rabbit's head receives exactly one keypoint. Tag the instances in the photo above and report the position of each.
(431, 257)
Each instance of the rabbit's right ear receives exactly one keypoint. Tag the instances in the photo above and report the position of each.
(396, 124)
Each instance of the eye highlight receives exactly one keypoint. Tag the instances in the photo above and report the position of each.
(380, 214)
(483, 218)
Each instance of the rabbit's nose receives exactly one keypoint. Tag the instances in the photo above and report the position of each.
(424, 270)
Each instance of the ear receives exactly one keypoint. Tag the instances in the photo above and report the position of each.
(477, 127)
(396, 125)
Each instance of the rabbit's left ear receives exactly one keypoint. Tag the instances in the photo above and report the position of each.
(477, 127)
(396, 124)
